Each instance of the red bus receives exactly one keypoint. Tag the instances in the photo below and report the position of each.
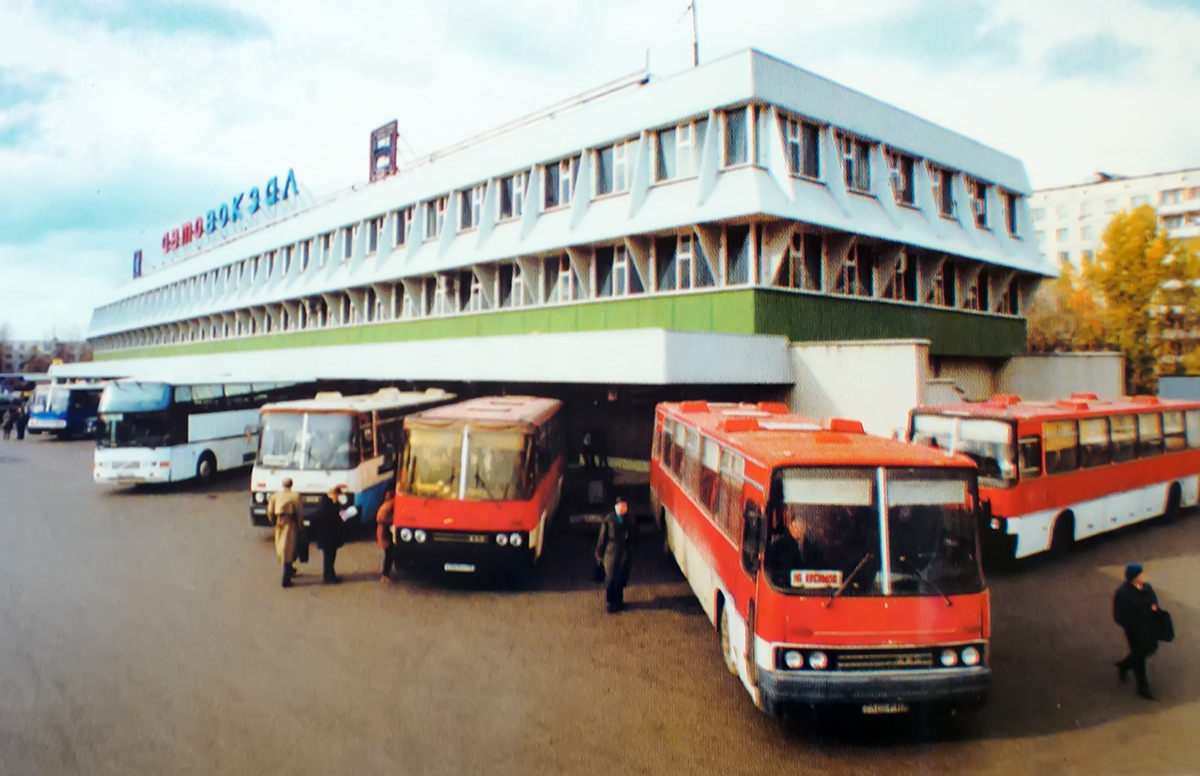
(838, 568)
(480, 481)
(1053, 472)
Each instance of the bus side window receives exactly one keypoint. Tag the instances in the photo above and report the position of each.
(752, 525)
(1094, 447)
(656, 445)
(1031, 457)
(1062, 445)
(1150, 440)
(368, 436)
(1124, 438)
(710, 465)
(1192, 422)
(691, 466)
(729, 500)
(1174, 439)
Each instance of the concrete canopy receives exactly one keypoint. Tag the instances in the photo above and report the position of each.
(630, 356)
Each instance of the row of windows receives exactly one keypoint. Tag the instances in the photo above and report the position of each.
(1068, 445)
(675, 154)
(734, 256)
(710, 474)
(1112, 205)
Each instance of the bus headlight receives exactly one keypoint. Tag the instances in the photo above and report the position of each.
(260, 498)
(970, 656)
(419, 535)
(406, 534)
(818, 660)
(515, 540)
(949, 658)
(501, 539)
(793, 659)
(343, 499)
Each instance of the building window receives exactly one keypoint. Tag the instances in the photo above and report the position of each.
(404, 219)
(1110, 206)
(435, 216)
(943, 189)
(1064, 257)
(612, 167)
(561, 282)
(737, 138)
(326, 248)
(615, 275)
(1039, 213)
(1062, 235)
(1088, 256)
(1010, 212)
(1171, 197)
(738, 255)
(445, 295)
(666, 151)
(1085, 209)
(305, 254)
(978, 192)
(348, 235)
(802, 142)
(475, 301)
(559, 182)
(1087, 233)
(471, 206)
(903, 186)
(374, 229)
(511, 286)
(801, 267)
(856, 164)
(901, 284)
(1140, 199)
(512, 195)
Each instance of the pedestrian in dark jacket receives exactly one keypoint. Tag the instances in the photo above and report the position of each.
(614, 550)
(22, 420)
(1134, 605)
(10, 420)
(326, 532)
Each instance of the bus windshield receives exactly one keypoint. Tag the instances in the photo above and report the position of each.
(496, 466)
(308, 441)
(987, 442)
(825, 533)
(141, 429)
(134, 397)
(432, 464)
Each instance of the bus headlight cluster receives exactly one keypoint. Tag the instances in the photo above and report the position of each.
(966, 656)
(514, 539)
(502, 539)
(419, 535)
(971, 656)
(260, 498)
(949, 658)
(406, 534)
(796, 659)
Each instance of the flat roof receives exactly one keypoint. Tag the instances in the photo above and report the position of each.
(384, 398)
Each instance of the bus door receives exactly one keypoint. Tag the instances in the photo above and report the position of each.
(753, 532)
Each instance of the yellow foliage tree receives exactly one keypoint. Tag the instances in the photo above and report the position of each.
(1064, 315)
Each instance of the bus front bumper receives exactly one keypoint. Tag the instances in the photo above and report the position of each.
(464, 552)
(965, 688)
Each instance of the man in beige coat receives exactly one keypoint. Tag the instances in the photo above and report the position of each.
(284, 511)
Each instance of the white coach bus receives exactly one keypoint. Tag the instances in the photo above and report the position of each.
(163, 431)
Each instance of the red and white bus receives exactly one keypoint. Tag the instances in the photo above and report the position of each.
(480, 482)
(838, 568)
(1053, 472)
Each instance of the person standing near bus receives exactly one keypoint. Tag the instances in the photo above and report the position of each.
(10, 419)
(1134, 605)
(383, 533)
(22, 420)
(614, 551)
(327, 532)
(284, 511)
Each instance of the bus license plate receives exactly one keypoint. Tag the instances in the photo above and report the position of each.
(466, 568)
(884, 708)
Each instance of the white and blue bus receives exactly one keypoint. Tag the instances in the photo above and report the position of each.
(65, 410)
(335, 440)
(165, 431)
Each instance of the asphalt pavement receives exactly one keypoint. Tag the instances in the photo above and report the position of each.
(145, 632)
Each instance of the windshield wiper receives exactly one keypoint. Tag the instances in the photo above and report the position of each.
(926, 579)
(849, 579)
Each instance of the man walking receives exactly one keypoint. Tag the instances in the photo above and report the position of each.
(284, 511)
(614, 550)
(383, 534)
(1134, 607)
(327, 532)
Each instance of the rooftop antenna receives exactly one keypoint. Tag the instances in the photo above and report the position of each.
(695, 35)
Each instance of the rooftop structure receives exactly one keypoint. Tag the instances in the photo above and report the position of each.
(740, 201)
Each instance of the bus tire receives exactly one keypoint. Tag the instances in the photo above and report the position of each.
(206, 467)
(723, 634)
(1063, 534)
(1174, 498)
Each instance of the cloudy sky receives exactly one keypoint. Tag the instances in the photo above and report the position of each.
(120, 118)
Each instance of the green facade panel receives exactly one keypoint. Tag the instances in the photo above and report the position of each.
(799, 317)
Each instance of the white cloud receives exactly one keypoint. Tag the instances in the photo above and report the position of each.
(165, 125)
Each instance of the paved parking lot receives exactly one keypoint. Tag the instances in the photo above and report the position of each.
(146, 633)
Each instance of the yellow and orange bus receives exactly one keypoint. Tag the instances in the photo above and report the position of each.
(838, 567)
(479, 483)
(1054, 472)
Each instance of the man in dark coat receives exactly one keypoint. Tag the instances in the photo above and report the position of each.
(614, 550)
(326, 532)
(22, 420)
(1134, 605)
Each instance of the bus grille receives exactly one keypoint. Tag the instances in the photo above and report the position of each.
(883, 661)
(126, 464)
(459, 538)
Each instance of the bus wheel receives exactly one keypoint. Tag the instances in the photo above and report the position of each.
(726, 645)
(1063, 535)
(206, 467)
(1174, 496)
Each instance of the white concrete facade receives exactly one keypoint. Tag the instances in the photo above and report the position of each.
(1069, 221)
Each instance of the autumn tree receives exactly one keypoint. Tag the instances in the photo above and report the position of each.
(1064, 314)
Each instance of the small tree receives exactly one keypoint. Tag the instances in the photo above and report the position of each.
(1064, 315)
